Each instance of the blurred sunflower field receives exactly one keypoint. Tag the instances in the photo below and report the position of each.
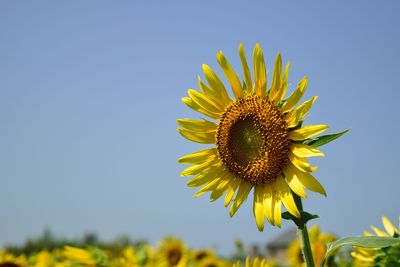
(104, 104)
(283, 251)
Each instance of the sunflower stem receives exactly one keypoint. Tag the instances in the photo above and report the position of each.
(306, 247)
(305, 240)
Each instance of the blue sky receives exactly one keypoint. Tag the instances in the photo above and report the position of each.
(90, 91)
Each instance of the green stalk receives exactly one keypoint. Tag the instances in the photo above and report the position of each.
(306, 247)
(305, 240)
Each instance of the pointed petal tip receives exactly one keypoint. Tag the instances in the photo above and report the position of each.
(231, 213)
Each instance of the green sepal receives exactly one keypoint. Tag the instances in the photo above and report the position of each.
(324, 139)
(300, 222)
(364, 241)
(308, 216)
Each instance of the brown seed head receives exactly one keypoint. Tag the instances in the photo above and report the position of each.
(253, 140)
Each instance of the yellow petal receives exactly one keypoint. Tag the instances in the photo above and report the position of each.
(230, 75)
(208, 187)
(276, 80)
(306, 106)
(294, 183)
(203, 101)
(305, 151)
(199, 156)
(293, 118)
(379, 232)
(301, 163)
(191, 104)
(231, 191)
(287, 197)
(246, 70)
(389, 227)
(366, 233)
(198, 168)
(307, 132)
(258, 206)
(269, 204)
(206, 176)
(278, 212)
(241, 196)
(260, 73)
(223, 185)
(197, 125)
(215, 83)
(296, 115)
(214, 95)
(248, 262)
(219, 190)
(284, 85)
(295, 96)
(307, 180)
(203, 138)
(368, 261)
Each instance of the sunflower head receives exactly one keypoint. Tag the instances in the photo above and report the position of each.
(8, 259)
(212, 262)
(257, 262)
(389, 256)
(200, 254)
(79, 256)
(172, 252)
(257, 139)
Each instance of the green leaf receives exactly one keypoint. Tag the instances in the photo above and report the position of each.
(325, 139)
(364, 241)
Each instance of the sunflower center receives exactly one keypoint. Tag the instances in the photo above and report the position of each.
(245, 140)
(253, 140)
(174, 255)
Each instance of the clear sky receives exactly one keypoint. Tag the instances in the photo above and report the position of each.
(90, 91)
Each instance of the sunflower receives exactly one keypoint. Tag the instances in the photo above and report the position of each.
(212, 262)
(127, 259)
(319, 241)
(44, 259)
(258, 139)
(7, 259)
(198, 255)
(379, 257)
(257, 262)
(79, 256)
(172, 252)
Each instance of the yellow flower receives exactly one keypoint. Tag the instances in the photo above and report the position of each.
(44, 259)
(212, 262)
(257, 262)
(172, 252)
(200, 254)
(8, 259)
(258, 137)
(127, 259)
(371, 256)
(79, 255)
(318, 242)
